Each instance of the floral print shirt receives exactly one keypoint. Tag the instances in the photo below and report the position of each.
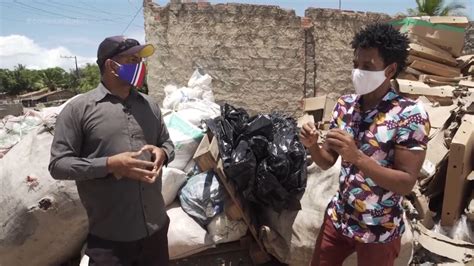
(361, 209)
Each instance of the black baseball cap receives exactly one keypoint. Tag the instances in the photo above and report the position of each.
(121, 45)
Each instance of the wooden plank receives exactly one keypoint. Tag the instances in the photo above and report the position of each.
(420, 88)
(431, 67)
(230, 188)
(428, 53)
(459, 167)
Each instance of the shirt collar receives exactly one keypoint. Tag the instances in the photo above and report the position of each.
(384, 103)
(101, 92)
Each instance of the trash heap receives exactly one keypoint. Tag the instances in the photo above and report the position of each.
(442, 205)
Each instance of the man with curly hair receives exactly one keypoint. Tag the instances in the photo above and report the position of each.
(382, 139)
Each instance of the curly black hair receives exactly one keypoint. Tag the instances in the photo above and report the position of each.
(391, 44)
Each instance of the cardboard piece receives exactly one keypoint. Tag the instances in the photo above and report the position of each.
(315, 106)
(465, 60)
(446, 37)
(404, 75)
(436, 153)
(459, 167)
(470, 205)
(428, 53)
(328, 108)
(466, 83)
(420, 88)
(462, 22)
(306, 118)
(457, 250)
(437, 80)
(207, 153)
(421, 41)
(439, 115)
(432, 67)
(413, 71)
(471, 70)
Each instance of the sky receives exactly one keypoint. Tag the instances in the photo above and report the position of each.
(40, 33)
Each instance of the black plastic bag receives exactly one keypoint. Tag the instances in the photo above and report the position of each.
(242, 166)
(263, 156)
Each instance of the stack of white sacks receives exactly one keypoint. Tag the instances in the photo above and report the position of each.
(38, 211)
(185, 108)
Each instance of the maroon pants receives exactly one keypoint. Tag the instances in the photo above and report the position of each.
(332, 248)
(149, 251)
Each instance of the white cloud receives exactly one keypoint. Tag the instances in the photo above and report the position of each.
(19, 49)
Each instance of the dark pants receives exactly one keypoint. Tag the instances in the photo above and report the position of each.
(332, 248)
(152, 250)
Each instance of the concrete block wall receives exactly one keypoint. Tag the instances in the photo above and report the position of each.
(262, 58)
(469, 41)
(333, 31)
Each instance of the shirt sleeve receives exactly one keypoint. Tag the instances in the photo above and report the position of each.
(413, 129)
(164, 140)
(66, 163)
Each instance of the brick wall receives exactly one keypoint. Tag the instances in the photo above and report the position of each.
(261, 57)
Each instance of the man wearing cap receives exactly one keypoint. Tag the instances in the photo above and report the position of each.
(113, 142)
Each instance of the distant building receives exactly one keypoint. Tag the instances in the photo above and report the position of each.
(48, 98)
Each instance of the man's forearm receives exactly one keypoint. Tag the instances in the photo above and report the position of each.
(322, 157)
(391, 179)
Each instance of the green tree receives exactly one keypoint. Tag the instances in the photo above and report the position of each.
(89, 77)
(7, 81)
(436, 8)
(20, 80)
(55, 78)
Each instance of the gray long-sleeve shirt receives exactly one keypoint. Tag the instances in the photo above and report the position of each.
(93, 127)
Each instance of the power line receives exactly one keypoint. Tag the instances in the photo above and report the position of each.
(23, 9)
(43, 10)
(97, 9)
(136, 14)
(64, 9)
(96, 19)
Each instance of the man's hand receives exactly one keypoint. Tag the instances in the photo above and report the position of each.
(126, 165)
(158, 156)
(309, 135)
(342, 142)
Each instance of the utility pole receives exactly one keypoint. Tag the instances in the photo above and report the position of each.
(77, 69)
(75, 59)
(340, 4)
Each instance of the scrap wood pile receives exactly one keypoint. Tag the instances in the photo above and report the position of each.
(443, 79)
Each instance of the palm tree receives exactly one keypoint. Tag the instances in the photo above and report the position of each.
(436, 8)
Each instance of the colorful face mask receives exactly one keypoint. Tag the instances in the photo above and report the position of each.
(133, 74)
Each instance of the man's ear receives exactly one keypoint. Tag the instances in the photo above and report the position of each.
(391, 70)
(111, 66)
